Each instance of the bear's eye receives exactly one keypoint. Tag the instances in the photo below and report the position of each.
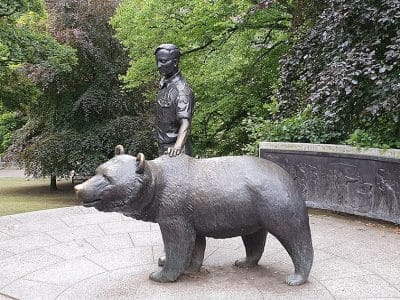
(107, 178)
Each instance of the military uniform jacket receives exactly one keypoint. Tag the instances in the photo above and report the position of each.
(175, 101)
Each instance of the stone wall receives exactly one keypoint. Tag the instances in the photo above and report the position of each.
(363, 182)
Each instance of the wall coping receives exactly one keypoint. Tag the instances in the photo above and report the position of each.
(330, 148)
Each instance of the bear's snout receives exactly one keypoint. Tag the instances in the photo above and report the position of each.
(84, 195)
(80, 192)
(77, 188)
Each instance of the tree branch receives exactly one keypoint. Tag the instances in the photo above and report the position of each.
(240, 20)
(266, 38)
(259, 6)
(199, 48)
(268, 51)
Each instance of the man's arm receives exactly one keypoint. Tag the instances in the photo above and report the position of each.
(183, 134)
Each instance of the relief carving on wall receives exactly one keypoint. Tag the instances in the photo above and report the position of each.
(342, 185)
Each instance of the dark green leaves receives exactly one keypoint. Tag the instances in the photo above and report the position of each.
(346, 66)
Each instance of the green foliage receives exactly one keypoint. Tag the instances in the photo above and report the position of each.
(87, 113)
(8, 123)
(301, 128)
(383, 134)
(231, 51)
(346, 68)
(24, 38)
(9, 8)
(25, 42)
(17, 91)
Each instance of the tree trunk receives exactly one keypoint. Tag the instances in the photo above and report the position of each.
(53, 183)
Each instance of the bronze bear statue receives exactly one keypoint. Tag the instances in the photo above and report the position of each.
(192, 199)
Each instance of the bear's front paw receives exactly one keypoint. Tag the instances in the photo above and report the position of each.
(162, 277)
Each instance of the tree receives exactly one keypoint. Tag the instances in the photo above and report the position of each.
(344, 68)
(24, 39)
(87, 112)
(231, 51)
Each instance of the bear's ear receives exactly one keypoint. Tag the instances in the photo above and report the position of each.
(140, 160)
(119, 149)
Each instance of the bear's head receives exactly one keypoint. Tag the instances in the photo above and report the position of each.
(122, 184)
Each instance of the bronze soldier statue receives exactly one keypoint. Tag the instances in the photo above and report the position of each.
(175, 103)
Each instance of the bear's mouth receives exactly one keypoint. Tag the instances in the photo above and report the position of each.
(91, 203)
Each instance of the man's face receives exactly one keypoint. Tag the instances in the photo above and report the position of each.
(166, 65)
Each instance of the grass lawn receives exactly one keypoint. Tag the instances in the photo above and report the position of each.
(19, 195)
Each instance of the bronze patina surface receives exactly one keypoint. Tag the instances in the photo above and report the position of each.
(192, 199)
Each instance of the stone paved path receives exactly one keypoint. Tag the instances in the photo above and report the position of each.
(78, 253)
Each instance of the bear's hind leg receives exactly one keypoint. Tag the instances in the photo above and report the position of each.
(198, 255)
(254, 244)
(298, 244)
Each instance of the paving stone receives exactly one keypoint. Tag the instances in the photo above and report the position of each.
(118, 284)
(4, 297)
(366, 250)
(125, 218)
(158, 251)
(5, 254)
(272, 285)
(154, 227)
(368, 298)
(42, 225)
(125, 227)
(300, 295)
(218, 283)
(223, 257)
(111, 242)
(330, 238)
(76, 233)
(232, 292)
(324, 222)
(231, 243)
(273, 257)
(272, 244)
(4, 237)
(47, 214)
(88, 210)
(209, 251)
(336, 268)
(320, 255)
(388, 270)
(13, 231)
(370, 286)
(73, 249)
(7, 221)
(112, 260)
(353, 260)
(90, 219)
(31, 290)
(66, 273)
(152, 238)
(26, 243)
(5, 280)
(21, 264)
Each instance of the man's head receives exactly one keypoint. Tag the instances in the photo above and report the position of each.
(167, 58)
